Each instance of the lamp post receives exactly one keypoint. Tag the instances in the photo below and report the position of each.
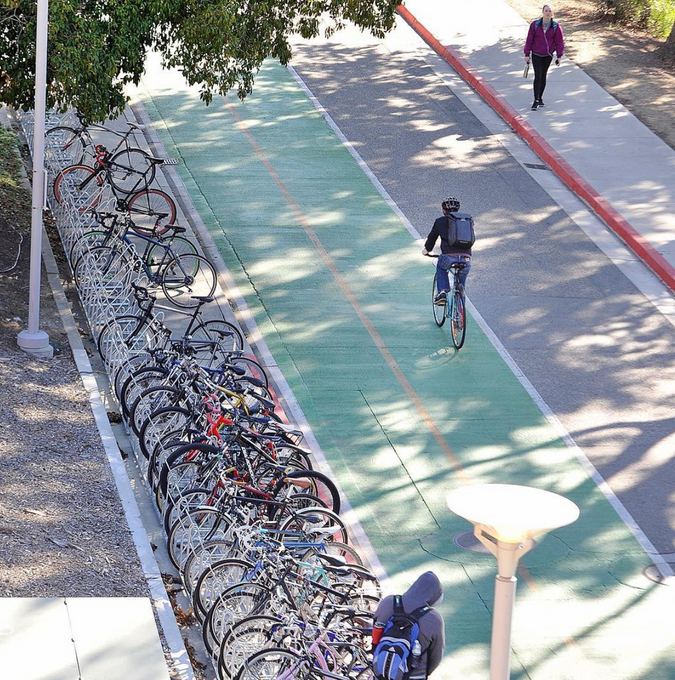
(32, 339)
(507, 518)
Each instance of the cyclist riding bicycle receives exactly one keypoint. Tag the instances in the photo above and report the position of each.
(450, 252)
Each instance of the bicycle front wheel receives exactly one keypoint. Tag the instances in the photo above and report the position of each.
(458, 319)
(151, 211)
(130, 170)
(187, 277)
(439, 310)
(271, 663)
(76, 185)
(65, 142)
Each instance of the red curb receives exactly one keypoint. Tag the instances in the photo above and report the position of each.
(618, 224)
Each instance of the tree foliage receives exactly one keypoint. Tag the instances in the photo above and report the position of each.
(96, 47)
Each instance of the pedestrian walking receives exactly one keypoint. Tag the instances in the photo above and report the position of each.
(543, 39)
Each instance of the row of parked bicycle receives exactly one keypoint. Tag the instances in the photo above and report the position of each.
(252, 528)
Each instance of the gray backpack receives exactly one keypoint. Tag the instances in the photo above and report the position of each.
(460, 230)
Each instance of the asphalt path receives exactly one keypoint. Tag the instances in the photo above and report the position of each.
(594, 347)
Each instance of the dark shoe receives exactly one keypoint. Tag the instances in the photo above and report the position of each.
(535, 105)
(541, 103)
(440, 299)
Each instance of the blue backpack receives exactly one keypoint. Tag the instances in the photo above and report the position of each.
(392, 655)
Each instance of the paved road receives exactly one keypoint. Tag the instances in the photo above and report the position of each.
(594, 347)
(340, 293)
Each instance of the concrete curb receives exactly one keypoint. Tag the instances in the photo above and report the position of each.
(618, 224)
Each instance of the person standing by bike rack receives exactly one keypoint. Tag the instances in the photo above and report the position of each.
(455, 231)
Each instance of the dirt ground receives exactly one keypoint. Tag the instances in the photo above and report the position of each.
(627, 63)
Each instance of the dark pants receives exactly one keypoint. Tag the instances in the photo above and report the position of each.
(540, 65)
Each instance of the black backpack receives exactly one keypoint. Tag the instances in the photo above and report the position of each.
(392, 655)
(460, 230)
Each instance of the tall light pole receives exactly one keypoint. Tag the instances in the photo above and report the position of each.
(32, 339)
(507, 518)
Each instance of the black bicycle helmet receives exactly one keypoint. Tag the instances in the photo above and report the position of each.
(450, 204)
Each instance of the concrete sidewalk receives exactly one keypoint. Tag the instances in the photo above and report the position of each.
(591, 141)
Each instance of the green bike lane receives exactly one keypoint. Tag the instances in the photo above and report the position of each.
(341, 295)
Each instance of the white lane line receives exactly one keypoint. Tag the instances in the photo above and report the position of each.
(663, 567)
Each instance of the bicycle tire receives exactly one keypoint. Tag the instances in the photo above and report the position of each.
(198, 526)
(347, 552)
(159, 423)
(68, 140)
(236, 603)
(90, 239)
(252, 368)
(309, 520)
(227, 335)
(68, 181)
(188, 276)
(179, 245)
(151, 211)
(272, 662)
(210, 551)
(121, 328)
(127, 167)
(152, 399)
(439, 310)
(458, 319)
(99, 266)
(178, 456)
(321, 486)
(243, 640)
(137, 383)
(214, 580)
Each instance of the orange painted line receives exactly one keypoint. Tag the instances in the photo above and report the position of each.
(347, 292)
(618, 224)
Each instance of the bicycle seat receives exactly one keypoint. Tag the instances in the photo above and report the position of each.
(135, 126)
(458, 266)
(176, 229)
(201, 298)
(154, 160)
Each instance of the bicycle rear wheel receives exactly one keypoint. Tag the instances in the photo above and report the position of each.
(186, 277)
(151, 211)
(458, 319)
(439, 310)
(271, 663)
(127, 170)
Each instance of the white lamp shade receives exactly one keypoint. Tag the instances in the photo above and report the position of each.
(512, 513)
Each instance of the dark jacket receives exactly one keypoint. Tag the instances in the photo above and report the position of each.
(440, 230)
(544, 42)
(426, 590)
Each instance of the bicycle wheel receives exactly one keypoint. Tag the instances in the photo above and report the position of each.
(188, 276)
(271, 663)
(131, 169)
(316, 521)
(68, 187)
(458, 319)
(233, 605)
(179, 246)
(99, 267)
(243, 640)
(204, 555)
(252, 368)
(116, 333)
(215, 580)
(317, 484)
(171, 419)
(88, 240)
(66, 142)
(151, 400)
(193, 529)
(217, 337)
(151, 210)
(136, 383)
(439, 310)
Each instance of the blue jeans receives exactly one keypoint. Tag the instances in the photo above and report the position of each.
(442, 266)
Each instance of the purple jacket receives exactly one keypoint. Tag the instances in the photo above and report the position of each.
(543, 43)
